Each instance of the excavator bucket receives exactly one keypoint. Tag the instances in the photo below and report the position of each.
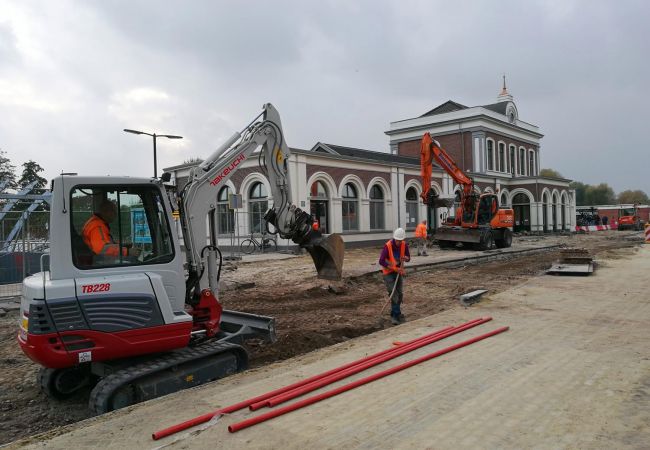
(327, 253)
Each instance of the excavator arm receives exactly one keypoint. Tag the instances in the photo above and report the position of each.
(198, 201)
(430, 149)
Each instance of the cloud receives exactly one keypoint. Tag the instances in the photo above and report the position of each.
(74, 74)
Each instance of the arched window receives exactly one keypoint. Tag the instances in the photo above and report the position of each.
(504, 199)
(490, 155)
(502, 157)
(318, 190)
(522, 161)
(531, 164)
(412, 207)
(513, 161)
(457, 195)
(225, 215)
(319, 205)
(350, 205)
(376, 208)
(257, 205)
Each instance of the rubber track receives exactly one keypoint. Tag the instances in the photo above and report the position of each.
(107, 386)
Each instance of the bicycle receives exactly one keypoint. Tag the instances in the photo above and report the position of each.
(251, 244)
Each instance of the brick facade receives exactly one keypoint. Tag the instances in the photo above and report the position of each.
(242, 173)
(338, 173)
(451, 143)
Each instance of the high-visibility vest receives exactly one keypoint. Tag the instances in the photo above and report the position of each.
(421, 231)
(391, 257)
(97, 237)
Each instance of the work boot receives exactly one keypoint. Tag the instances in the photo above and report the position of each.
(394, 320)
(401, 318)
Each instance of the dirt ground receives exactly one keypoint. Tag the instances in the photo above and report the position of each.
(309, 314)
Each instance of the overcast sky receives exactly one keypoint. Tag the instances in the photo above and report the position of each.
(73, 74)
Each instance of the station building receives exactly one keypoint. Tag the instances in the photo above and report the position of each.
(365, 194)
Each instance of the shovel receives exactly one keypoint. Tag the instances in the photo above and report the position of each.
(382, 320)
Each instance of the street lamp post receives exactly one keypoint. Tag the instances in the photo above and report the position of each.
(154, 136)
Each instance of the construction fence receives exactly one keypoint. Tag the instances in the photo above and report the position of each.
(236, 230)
(24, 240)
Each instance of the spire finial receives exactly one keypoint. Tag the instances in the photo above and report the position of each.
(504, 96)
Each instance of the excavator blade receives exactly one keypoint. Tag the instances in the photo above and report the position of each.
(327, 253)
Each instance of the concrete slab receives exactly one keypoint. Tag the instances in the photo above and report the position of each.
(472, 297)
(571, 269)
(572, 372)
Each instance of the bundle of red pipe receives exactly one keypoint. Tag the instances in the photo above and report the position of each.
(302, 387)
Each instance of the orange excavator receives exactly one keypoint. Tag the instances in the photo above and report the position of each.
(629, 218)
(479, 221)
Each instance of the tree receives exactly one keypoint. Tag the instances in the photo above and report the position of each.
(581, 190)
(36, 224)
(31, 170)
(630, 196)
(7, 171)
(601, 194)
(550, 173)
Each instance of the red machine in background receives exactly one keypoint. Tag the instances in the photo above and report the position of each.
(629, 219)
(478, 220)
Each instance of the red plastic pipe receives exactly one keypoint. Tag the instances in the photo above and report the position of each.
(246, 403)
(316, 398)
(398, 351)
(264, 403)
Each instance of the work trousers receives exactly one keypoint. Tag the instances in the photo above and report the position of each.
(396, 301)
(422, 246)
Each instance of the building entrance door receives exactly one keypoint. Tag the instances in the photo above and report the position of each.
(521, 207)
(318, 210)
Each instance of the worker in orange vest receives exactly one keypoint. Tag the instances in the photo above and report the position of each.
(393, 256)
(97, 235)
(314, 225)
(421, 236)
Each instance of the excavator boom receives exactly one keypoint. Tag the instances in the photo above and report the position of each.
(430, 149)
(291, 222)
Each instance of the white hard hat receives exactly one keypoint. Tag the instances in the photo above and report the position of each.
(399, 234)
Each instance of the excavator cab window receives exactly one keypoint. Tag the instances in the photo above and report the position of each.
(487, 208)
(119, 226)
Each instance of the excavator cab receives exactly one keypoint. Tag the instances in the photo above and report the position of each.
(488, 206)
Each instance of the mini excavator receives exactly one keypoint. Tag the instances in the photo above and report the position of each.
(132, 326)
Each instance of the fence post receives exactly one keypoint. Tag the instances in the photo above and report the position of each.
(22, 218)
